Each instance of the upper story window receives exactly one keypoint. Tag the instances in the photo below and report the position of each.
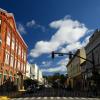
(22, 53)
(18, 67)
(0, 21)
(24, 56)
(13, 43)
(12, 61)
(16, 46)
(19, 50)
(7, 58)
(8, 38)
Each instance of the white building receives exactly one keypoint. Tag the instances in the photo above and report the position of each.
(36, 73)
(40, 77)
(28, 66)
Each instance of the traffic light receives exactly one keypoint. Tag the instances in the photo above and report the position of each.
(70, 55)
(53, 55)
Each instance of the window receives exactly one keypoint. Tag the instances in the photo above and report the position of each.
(24, 56)
(12, 61)
(7, 58)
(22, 66)
(16, 46)
(8, 38)
(15, 63)
(19, 50)
(13, 43)
(0, 21)
(18, 65)
(0, 25)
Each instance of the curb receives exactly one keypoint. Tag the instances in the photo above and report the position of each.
(4, 98)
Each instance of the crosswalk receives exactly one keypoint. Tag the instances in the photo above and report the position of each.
(55, 98)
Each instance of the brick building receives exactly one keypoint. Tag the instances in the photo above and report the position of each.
(13, 51)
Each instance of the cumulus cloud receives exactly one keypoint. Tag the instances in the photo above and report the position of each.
(21, 28)
(68, 33)
(76, 45)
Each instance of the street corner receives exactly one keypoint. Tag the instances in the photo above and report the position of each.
(4, 98)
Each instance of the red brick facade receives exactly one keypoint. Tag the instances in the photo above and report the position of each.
(13, 50)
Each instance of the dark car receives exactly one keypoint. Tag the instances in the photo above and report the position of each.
(31, 88)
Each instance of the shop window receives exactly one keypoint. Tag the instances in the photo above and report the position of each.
(5, 77)
(0, 79)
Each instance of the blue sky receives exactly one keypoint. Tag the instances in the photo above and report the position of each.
(61, 25)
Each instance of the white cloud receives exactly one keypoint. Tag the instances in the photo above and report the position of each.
(33, 24)
(21, 28)
(31, 60)
(68, 33)
(63, 62)
(76, 45)
(30, 23)
(46, 63)
(55, 69)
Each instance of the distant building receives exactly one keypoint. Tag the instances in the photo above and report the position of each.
(36, 73)
(28, 69)
(41, 80)
(13, 51)
(74, 69)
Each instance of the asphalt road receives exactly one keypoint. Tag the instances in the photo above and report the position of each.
(53, 94)
(55, 98)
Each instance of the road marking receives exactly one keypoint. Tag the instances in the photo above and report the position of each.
(38, 98)
(76, 98)
(45, 97)
(83, 98)
(70, 98)
(64, 97)
(51, 97)
(58, 97)
(26, 98)
(33, 98)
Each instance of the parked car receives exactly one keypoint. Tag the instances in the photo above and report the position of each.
(32, 89)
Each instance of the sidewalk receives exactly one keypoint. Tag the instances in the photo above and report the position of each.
(7, 96)
(4, 98)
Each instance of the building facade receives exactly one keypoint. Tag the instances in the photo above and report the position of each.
(41, 80)
(36, 73)
(74, 70)
(13, 51)
(93, 54)
(28, 69)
